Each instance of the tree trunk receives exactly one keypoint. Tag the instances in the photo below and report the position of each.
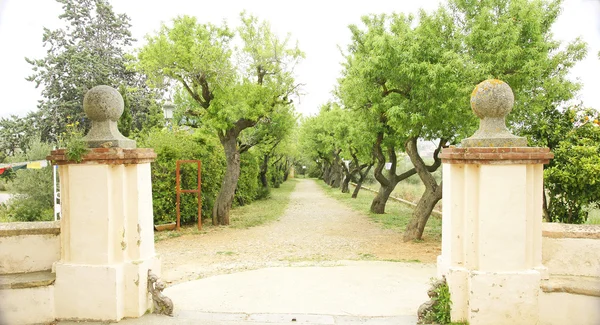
(345, 183)
(263, 172)
(416, 226)
(360, 181)
(336, 173)
(545, 212)
(220, 215)
(286, 172)
(433, 191)
(387, 185)
(379, 202)
(326, 172)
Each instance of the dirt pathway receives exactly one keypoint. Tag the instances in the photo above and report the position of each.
(314, 230)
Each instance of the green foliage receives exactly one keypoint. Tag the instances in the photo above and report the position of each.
(73, 143)
(171, 146)
(410, 76)
(237, 91)
(16, 133)
(87, 52)
(573, 180)
(441, 310)
(247, 187)
(32, 188)
(593, 216)
(125, 122)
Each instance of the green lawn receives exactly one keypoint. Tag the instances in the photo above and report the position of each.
(263, 211)
(397, 214)
(594, 217)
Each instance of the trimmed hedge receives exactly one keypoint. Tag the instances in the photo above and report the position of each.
(171, 146)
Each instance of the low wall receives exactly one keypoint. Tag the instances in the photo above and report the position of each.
(29, 246)
(572, 293)
(28, 251)
(571, 249)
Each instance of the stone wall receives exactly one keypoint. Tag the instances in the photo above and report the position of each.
(571, 294)
(28, 251)
(29, 246)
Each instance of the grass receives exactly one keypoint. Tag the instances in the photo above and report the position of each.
(409, 191)
(226, 253)
(251, 215)
(263, 211)
(397, 214)
(594, 217)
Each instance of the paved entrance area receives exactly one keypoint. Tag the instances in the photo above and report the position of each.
(353, 292)
(305, 268)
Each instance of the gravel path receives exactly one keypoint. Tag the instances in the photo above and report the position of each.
(314, 230)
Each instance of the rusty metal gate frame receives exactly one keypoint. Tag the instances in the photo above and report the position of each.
(197, 190)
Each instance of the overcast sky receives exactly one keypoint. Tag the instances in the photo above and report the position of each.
(319, 26)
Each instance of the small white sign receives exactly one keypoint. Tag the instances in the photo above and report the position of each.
(388, 166)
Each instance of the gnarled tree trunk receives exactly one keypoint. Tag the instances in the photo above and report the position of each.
(264, 167)
(431, 196)
(416, 226)
(361, 179)
(224, 199)
(326, 172)
(336, 170)
(387, 184)
(380, 200)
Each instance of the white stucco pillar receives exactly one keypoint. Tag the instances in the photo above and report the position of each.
(492, 218)
(107, 234)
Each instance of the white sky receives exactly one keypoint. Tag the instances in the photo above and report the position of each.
(319, 27)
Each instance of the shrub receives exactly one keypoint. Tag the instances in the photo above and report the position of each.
(171, 146)
(24, 208)
(32, 188)
(573, 179)
(248, 183)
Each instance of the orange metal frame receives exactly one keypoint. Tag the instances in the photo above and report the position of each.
(197, 190)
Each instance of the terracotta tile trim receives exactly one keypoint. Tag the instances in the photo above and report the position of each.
(496, 156)
(108, 156)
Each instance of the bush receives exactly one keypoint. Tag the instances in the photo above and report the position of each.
(23, 208)
(171, 146)
(32, 188)
(573, 179)
(248, 184)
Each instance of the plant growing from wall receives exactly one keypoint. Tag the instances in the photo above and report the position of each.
(73, 143)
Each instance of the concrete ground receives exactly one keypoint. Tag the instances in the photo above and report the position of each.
(354, 292)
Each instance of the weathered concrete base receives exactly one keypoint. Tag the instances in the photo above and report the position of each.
(89, 291)
(504, 298)
(103, 292)
(560, 308)
(27, 306)
(494, 298)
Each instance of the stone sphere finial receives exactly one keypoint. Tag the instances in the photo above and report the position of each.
(491, 101)
(104, 106)
(103, 103)
(492, 98)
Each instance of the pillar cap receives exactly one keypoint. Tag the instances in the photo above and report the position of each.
(496, 156)
(106, 156)
(104, 105)
(491, 101)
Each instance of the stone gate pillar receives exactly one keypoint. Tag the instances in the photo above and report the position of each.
(107, 240)
(492, 218)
